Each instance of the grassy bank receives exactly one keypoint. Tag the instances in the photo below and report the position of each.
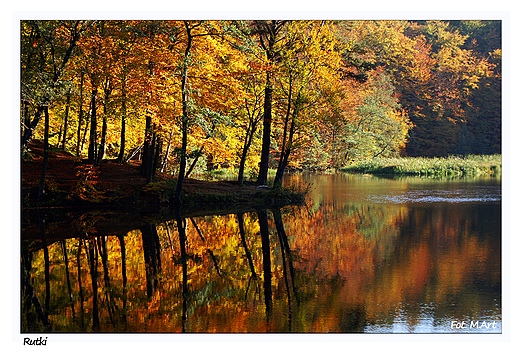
(472, 165)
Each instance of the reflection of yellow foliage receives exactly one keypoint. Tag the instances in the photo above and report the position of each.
(349, 260)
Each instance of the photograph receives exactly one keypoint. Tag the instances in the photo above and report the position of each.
(261, 176)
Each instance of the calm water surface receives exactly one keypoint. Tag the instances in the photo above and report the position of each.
(365, 254)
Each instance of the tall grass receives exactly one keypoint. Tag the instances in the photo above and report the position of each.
(453, 166)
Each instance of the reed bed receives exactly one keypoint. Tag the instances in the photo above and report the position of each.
(453, 166)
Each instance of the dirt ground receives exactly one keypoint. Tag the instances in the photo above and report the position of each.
(120, 180)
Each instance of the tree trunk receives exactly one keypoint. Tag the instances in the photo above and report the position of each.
(121, 155)
(92, 148)
(284, 157)
(26, 116)
(104, 129)
(185, 118)
(158, 143)
(37, 117)
(285, 144)
(250, 133)
(148, 149)
(66, 122)
(167, 154)
(80, 116)
(83, 140)
(266, 135)
(45, 152)
(192, 166)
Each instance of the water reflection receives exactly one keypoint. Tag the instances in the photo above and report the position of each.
(339, 264)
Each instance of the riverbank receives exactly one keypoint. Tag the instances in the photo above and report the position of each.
(453, 166)
(70, 182)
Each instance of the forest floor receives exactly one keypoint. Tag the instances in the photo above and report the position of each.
(72, 182)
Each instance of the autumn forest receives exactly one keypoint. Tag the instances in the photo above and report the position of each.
(192, 96)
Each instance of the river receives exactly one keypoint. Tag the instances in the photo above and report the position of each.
(363, 255)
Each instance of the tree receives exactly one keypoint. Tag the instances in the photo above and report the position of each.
(309, 62)
(269, 34)
(46, 48)
(434, 73)
(252, 109)
(202, 91)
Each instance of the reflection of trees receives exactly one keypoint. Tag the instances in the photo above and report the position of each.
(184, 261)
(287, 260)
(152, 256)
(32, 309)
(92, 257)
(449, 257)
(242, 230)
(109, 282)
(123, 274)
(80, 286)
(319, 272)
(266, 263)
(209, 251)
(66, 260)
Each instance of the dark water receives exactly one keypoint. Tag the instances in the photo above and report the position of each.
(363, 255)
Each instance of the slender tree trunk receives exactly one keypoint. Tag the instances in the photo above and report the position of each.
(192, 166)
(37, 117)
(147, 145)
(45, 152)
(250, 133)
(85, 130)
(66, 121)
(104, 129)
(92, 148)
(80, 116)
(167, 154)
(26, 116)
(58, 140)
(149, 150)
(185, 117)
(285, 144)
(266, 135)
(158, 143)
(121, 155)
(284, 157)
